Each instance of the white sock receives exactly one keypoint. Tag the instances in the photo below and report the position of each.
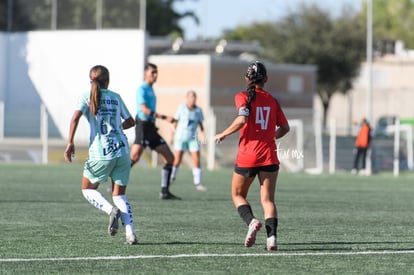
(126, 213)
(97, 199)
(174, 173)
(197, 175)
(166, 175)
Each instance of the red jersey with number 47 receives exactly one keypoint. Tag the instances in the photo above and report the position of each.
(257, 146)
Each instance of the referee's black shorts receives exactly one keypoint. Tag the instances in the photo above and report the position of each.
(249, 172)
(146, 134)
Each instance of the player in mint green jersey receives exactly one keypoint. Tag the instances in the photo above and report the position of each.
(188, 118)
(108, 150)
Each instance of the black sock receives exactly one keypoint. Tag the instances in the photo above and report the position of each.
(245, 212)
(271, 226)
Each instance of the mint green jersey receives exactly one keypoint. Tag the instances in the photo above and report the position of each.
(107, 140)
(188, 121)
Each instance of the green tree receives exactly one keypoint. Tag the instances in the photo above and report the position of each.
(392, 20)
(161, 18)
(312, 36)
(20, 19)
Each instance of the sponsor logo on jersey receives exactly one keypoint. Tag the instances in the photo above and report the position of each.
(109, 101)
(113, 148)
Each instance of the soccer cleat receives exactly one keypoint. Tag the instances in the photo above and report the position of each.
(364, 172)
(200, 187)
(271, 243)
(131, 239)
(168, 196)
(254, 227)
(113, 221)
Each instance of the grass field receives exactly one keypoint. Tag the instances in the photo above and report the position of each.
(338, 224)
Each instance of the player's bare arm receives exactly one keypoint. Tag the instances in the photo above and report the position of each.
(70, 148)
(282, 130)
(201, 127)
(128, 123)
(202, 135)
(147, 111)
(236, 125)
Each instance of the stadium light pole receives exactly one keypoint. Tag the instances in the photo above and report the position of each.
(369, 60)
(142, 14)
(53, 15)
(9, 15)
(99, 12)
(369, 69)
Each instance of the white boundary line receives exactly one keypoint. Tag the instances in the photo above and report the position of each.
(202, 255)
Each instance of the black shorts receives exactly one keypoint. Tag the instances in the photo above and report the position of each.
(146, 134)
(250, 172)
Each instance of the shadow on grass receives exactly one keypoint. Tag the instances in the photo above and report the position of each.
(300, 247)
(346, 246)
(192, 243)
(40, 201)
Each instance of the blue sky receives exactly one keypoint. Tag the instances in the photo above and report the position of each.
(218, 15)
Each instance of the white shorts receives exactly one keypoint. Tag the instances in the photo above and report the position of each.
(98, 171)
(191, 145)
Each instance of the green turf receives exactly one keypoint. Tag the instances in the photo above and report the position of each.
(44, 215)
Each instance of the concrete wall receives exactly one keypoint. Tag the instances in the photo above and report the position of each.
(176, 76)
(53, 68)
(217, 79)
(292, 85)
(393, 93)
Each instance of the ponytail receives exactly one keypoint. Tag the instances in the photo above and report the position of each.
(251, 93)
(256, 74)
(99, 76)
(95, 97)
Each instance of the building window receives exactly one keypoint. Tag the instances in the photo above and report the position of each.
(295, 84)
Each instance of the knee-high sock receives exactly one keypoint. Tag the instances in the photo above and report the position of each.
(97, 199)
(174, 173)
(166, 175)
(126, 213)
(246, 213)
(197, 175)
(271, 227)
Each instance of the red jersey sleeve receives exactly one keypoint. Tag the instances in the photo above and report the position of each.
(240, 101)
(280, 116)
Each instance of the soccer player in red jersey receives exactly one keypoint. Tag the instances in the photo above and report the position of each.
(260, 120)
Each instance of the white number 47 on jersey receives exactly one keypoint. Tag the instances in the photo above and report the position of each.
(262, 116)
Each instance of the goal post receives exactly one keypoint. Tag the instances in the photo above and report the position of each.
(399, 129)
(44, 133)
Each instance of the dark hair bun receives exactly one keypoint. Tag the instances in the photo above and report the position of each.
(256, 71)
